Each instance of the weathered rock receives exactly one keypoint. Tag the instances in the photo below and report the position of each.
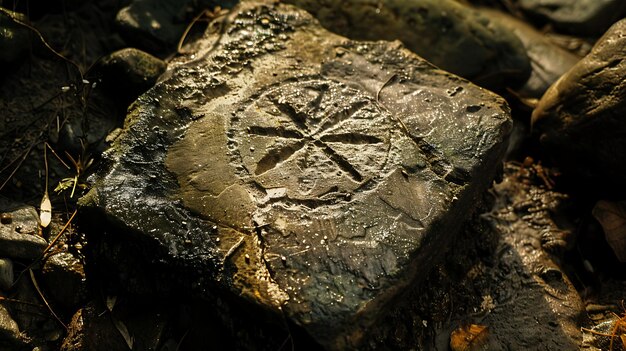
(64, 278)
(300, 170)
(581, 117)
(501, 273)
(157, 25)
(14, 38)
(6, 273)
(151, 27)
(454, 37)
(19, 238)
(587, 17)
(130, 72)
(548, 61)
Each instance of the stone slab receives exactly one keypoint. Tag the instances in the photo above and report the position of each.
(313, 175)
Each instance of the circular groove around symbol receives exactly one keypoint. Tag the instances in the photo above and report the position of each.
(311, 137)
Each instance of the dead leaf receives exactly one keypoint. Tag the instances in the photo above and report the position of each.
(45, 210)
(468, 337)
(612, 217)
(121, 327)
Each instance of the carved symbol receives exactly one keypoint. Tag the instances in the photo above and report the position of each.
(321, 132)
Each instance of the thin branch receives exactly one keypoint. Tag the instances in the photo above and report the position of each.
(57, 156)
(32, 278)
(179, 48)
(56, 238)
(18, 166)
(45, 43)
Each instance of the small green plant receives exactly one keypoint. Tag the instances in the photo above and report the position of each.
(80, 165)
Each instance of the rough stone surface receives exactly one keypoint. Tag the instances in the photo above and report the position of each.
(453, 36)
(547, 60)
(581, 116)
(20, 239)
(64, 278)
(302, 171)
(587, 17)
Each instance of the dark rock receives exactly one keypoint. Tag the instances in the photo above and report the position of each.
(6, 218)
(312, 175)
(586, 17)
(453, 36)
(130, 72)
(157, 25)
(10, 338)
(64, 279)
(148, 29)
(14, 38)
(96, 328)
(612, 217)
(6, 273)
(74, 340)
(20, 238)
(547, 60)
(34, 319)
(581, 117)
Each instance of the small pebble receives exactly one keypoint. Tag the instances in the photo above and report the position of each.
(6, 218)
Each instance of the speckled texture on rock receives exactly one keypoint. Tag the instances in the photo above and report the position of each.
(581, 116)
(301, 170)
